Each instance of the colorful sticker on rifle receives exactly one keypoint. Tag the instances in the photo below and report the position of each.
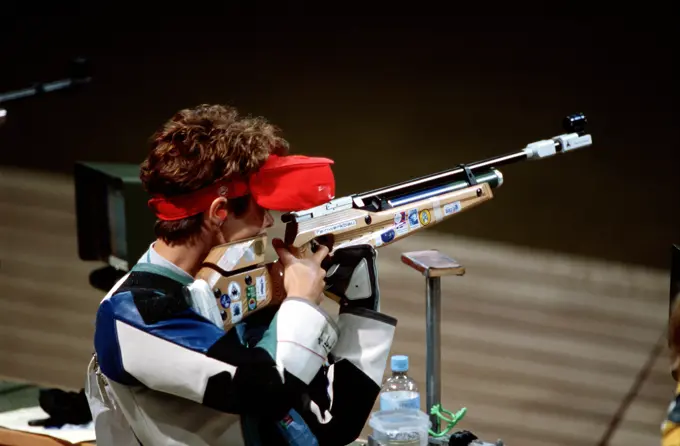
(236, 312)
(234, 291)
(401, 228)
(451, 208)
(336, 227)
(224, 301)
(399, 218)
(424, 217)
(250, 292)
(261, 285)
(252, 303)
(413, 219)
(387, 236)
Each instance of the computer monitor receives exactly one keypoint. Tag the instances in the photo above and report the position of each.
(114, 224)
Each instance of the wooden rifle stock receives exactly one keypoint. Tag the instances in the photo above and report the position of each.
(241, 280)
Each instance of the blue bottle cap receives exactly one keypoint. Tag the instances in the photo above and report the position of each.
(399, 363)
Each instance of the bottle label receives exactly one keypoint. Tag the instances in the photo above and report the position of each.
(399, 399)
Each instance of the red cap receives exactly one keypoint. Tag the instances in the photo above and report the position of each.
(293, 183)
(283, 183)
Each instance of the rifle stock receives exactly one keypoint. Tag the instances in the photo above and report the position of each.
(359, 226)
(376, 218)
(241, 280)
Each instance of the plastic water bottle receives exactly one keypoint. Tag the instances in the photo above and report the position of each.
(399, 391)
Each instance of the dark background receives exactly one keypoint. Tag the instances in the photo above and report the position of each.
(388, 99)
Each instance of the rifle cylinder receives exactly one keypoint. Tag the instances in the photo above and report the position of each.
(493, 177)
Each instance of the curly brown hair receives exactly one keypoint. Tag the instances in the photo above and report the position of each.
(199, 146)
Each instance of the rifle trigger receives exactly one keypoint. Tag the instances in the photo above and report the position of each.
(469, 176)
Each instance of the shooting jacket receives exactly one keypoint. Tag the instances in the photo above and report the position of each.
(165, 372)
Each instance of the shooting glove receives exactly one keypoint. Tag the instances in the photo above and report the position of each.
(352, 275)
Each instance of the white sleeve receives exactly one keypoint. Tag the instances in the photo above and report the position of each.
(305, 335)
(365, 340)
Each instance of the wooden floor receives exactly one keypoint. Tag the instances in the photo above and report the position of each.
(541, 348)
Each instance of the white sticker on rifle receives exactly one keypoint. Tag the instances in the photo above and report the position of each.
(233, 255)
(234, 291)
(335, 227)
(401, 228)
(452, 208)
(261, 288)
(236, 312)
(437, 210)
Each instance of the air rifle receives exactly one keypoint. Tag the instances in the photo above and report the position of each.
(355, 226)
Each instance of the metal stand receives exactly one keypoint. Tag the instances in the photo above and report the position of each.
(433, 265)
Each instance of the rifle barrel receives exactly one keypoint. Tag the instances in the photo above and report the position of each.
(444, 176)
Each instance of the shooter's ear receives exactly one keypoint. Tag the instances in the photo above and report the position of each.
(217, 213)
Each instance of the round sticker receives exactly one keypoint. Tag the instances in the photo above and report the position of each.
(224, 300)
(424, 217)
(252, 303)
(387, 236)
(234, 291)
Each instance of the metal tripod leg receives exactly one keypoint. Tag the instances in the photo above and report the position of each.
(433, 265)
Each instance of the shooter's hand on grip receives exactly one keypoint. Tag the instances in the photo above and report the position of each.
(302, 277)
